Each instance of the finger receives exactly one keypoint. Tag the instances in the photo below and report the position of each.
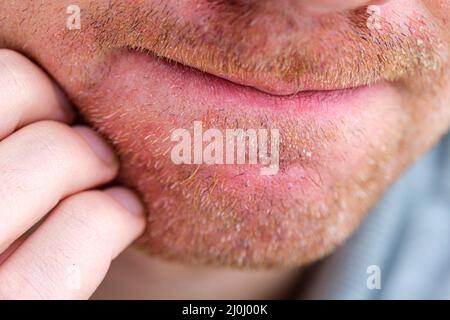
(69, 254)
(27, 94)
(16, 244)
(42, 163)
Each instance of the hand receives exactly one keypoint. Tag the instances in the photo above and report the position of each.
(56, 239)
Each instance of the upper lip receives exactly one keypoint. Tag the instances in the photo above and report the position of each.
(265, 83)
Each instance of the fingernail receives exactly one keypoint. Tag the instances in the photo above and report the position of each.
(127, 198)
(100, 147)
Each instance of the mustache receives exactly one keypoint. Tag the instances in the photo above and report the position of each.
(270, 47)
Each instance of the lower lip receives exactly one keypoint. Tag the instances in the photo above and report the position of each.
(237, 96)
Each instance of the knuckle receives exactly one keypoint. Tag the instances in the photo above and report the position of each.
(62, 142)
(55, 140)
(44, 149)
(90, 213)
(48, 152)
(51, 141)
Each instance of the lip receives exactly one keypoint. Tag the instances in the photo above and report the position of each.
(251, 92)
(264, 83)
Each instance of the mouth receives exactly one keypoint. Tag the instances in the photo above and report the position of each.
(217, 102)
(264, 83)
(162, 96)
(272, 94)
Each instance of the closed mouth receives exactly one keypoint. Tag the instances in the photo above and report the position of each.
(262, 83)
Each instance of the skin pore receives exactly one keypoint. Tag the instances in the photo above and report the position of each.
(126, 72)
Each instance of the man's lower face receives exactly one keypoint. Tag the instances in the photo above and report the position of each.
(355, 96)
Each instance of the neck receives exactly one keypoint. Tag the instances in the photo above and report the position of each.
(134, 275)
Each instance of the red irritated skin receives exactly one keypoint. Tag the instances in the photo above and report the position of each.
(354, 105)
